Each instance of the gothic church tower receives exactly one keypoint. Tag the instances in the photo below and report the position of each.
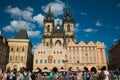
(58, 34)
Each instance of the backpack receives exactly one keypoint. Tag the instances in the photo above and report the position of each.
(102, 75)
(88, 75)
(26, 77)
(51, 74)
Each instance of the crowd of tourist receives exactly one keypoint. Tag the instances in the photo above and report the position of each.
(93, 74)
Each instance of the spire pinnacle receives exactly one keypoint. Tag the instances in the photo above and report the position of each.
(49, 14)
(67, 14)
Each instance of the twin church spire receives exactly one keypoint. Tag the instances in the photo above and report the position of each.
(58, 33)
(67, 15)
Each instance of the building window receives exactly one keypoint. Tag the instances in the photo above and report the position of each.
(17, 49)
(82, 60)
(40, 60)
(45, 61)
(22, 59)
(54, 61)
(102, 60)
(10, 58)
(13, 58)
(16, 58)
(47, 44)
(36, 61)
(94, 60)
(68, 28)
(11, 49)
(58, 61)
(48, 28)
(90, 60)
(22, 49)
(70, 59)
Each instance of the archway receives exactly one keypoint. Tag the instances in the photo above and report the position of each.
(58, 42)
(93, 69)
(55, 69)
(86, 69)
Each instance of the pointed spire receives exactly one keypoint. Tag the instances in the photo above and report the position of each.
(67, 14)
(49, 14)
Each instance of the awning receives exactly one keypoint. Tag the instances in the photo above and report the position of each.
(36, 70)
(45, 70)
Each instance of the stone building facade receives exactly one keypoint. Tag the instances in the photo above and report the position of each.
(20, 53)
(114, 56)
(86, 55)
(60, 49)
(4, 52)
(47, 57)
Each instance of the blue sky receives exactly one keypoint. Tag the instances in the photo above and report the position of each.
(95, 20)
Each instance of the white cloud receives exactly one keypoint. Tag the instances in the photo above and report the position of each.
(77, 25)
(30, 9)
(99, 23)
(35, 46)
(58, 20)
(57, 7)
(114, 40)
(118, 5)
(33, 33)
(39, 18)
(21, 14)
(16, 25)
(88, 30)
(117, 27)
(83, 13)
(104, 44)
(76, 29)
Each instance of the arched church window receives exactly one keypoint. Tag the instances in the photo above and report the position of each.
(58, 42)
(68, 28)
(48, 28)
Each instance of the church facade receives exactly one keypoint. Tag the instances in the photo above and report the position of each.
(59, 48)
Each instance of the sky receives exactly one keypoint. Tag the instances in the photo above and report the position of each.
(95, 20)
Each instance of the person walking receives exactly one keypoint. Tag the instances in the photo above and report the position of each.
(104, 74)
(39, 75)
(79, 75)
(4, 75)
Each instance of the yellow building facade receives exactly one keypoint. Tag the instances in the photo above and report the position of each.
(20, 52)
(86, 55)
